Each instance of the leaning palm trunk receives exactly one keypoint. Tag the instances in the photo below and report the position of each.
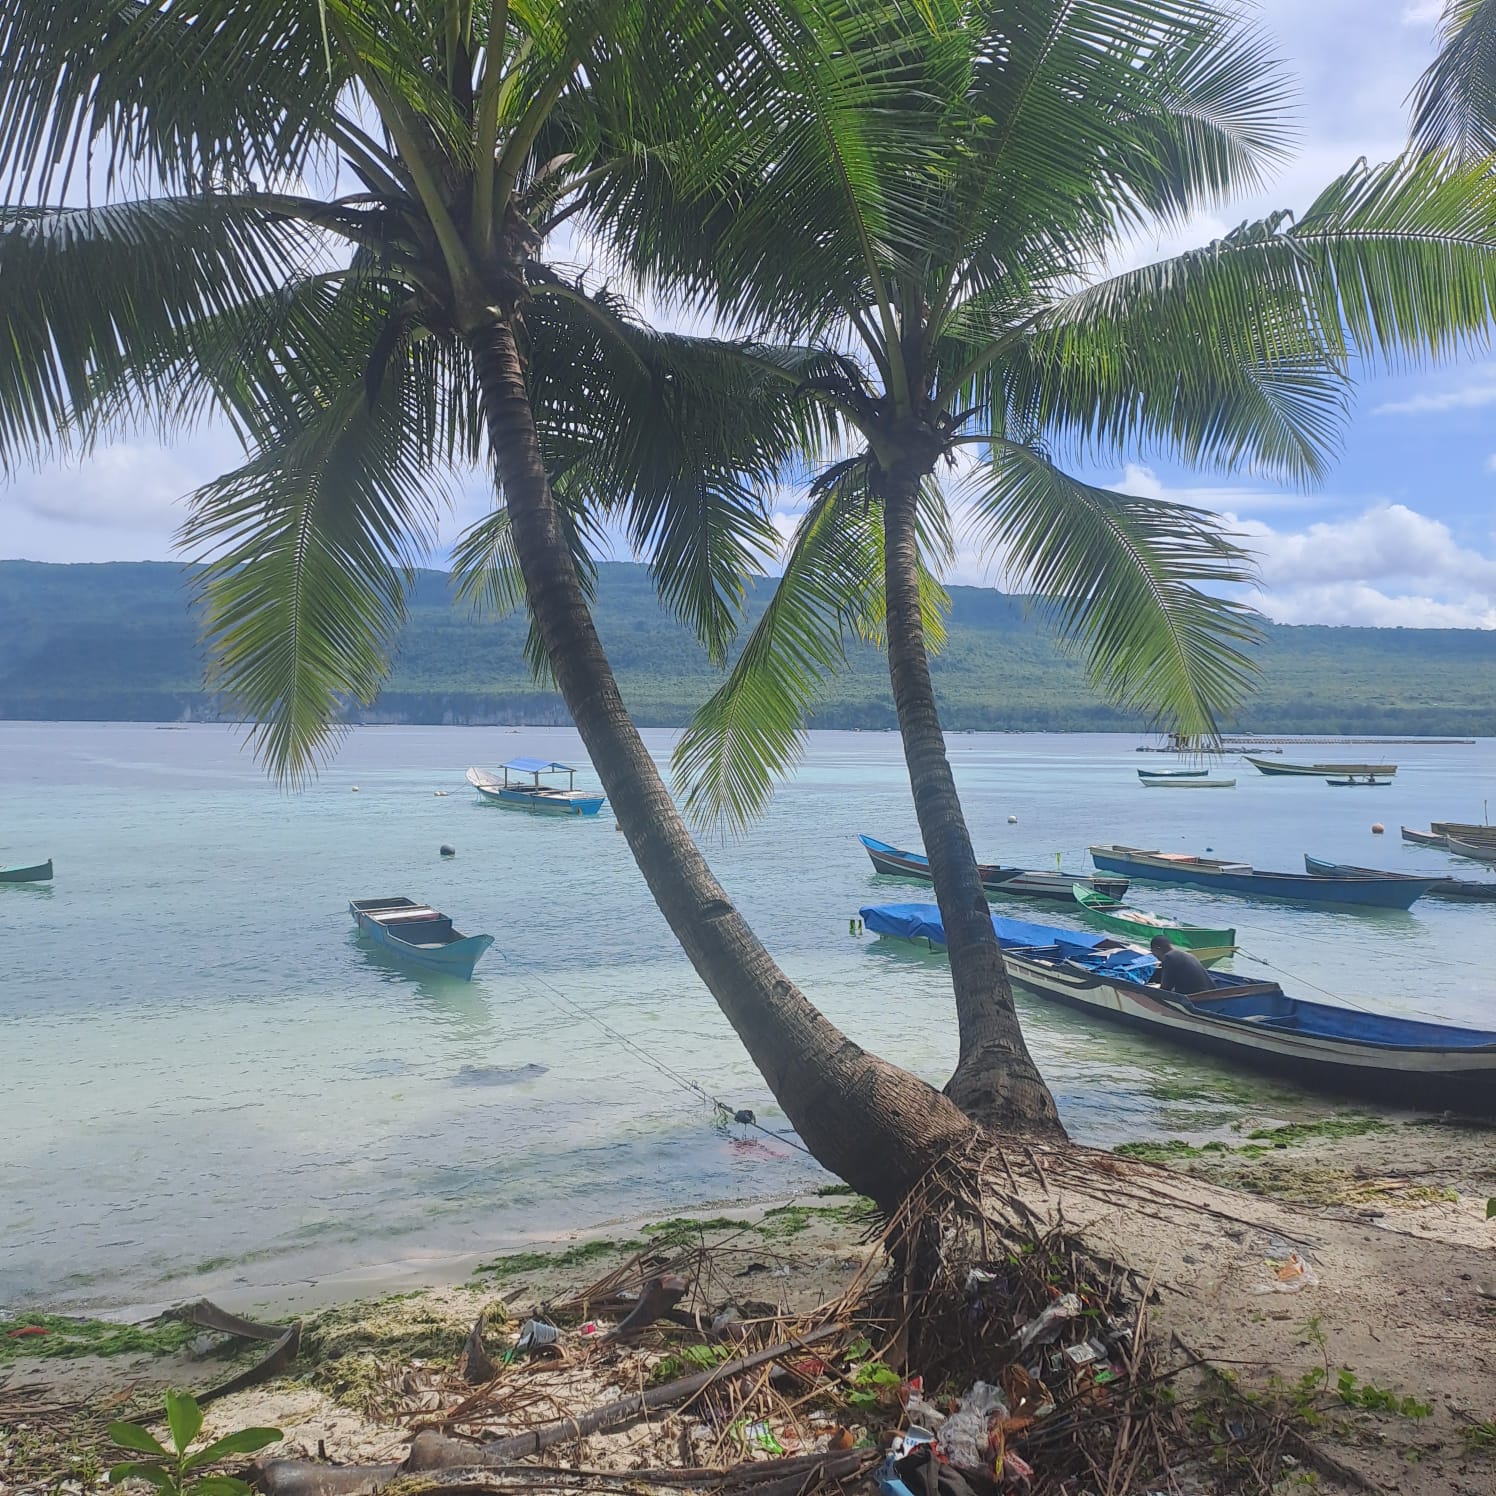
(876, 1126)
(996, 1081)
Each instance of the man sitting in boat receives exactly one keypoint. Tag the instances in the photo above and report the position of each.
(1178, 971)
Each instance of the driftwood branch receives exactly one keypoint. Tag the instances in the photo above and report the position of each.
(431, 1451)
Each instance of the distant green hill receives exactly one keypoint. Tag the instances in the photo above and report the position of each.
(117, 642)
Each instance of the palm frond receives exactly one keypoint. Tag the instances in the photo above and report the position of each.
(1121, 577)
(94, 302)
(1454, 104)
(310, 545)
(210, 94)
(681, 438)
(753, 726)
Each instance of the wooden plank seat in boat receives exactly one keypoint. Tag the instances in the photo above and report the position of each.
(404, 916)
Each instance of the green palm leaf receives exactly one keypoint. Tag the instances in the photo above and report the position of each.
(96, 301)
(753, 726)
(1118, 576)
(1454, 105)
(310, 545)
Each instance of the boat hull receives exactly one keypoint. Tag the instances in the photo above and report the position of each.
(1241, 879)
(1456, 889)
(921, 925)
(1173, 773)
(1423, 838)
(1210, 946)
(1015, 882)
(37, 872)
(455, 958)
(1476, 853)
(557, 803)
(1321, 771)
(1189, 784)
(1463, 1081)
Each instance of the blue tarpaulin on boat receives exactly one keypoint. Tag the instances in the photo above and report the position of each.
(922, 922)
(534, 766)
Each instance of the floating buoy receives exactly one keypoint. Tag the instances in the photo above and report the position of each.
(355, 789)
(1377, 828)
(448, 850)
(440, 794)
(1012, 820)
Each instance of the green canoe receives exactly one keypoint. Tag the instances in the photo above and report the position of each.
(1209, 945)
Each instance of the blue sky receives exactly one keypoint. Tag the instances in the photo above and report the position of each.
(1401, 534)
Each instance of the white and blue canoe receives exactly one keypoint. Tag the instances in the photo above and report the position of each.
(419, 934)
(520, 788)
(1391, 1059)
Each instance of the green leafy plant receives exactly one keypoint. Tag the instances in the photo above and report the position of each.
(171, 1470)
(1357, 1394)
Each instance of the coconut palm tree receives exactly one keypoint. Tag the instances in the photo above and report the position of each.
(326, 220)
(1454, 105)
(975, 334)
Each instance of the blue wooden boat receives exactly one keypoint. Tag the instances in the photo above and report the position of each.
(520, 788)
(1397, 1060)
(1242, 878)
(37, 872)
(1012, 881)
(419, 934)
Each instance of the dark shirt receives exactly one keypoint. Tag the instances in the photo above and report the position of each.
(1181, 971)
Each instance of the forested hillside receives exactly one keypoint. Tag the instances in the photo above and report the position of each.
(119, 642)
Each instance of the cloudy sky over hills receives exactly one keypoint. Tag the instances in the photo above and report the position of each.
(1401, 534)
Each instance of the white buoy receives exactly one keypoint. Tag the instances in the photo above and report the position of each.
(355, 789)
(1012, 820)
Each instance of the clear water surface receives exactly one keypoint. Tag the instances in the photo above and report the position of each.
(208, 1084)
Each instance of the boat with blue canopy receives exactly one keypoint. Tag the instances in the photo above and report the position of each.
(921, 924)
(419, 934)
(520, 788)
(1242, 878)
(1400, 1060)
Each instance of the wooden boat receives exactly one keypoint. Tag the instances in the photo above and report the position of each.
(1476, 835)
(1328, 1048)
(1016, 881)
(1209, 945)
(1347, 783)
(37, 872)
(1458, 889)
(1189, 784)
(525, 791)
(419, 934)
(1322, 771)
(1476, 851)
(1172, 773)
(1423, 838)
(1243, 878)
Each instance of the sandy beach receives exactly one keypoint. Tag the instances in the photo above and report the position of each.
(1389, 1215)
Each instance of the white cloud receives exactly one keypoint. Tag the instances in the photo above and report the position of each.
(1464, 397)
(1423, 12)
(1387, 542)
(1146, 484)
(1360, 604)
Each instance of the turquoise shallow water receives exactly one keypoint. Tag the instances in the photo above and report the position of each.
(206, 1082)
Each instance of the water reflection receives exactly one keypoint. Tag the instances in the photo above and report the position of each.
(463, 1010)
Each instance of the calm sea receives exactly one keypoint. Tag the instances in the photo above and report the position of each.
(208, 1085)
